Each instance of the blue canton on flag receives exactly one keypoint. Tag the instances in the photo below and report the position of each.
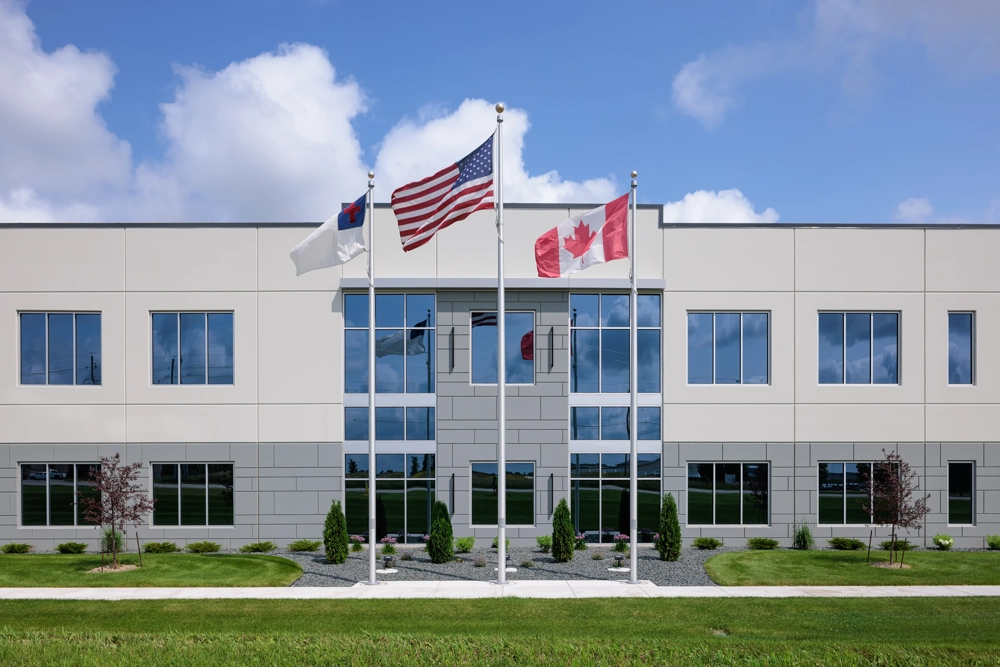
(353, 214)
(336, 241)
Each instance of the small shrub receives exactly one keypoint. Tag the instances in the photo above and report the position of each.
(441, 545)
(802, 538)
(356, 542)
(506, 542)
(762, 543)
(581, 542)
(305, 545)
(527, 563)
(388, 546)
(621, 542)
(160, 547)
(993, 542)
(335, 534)
(16, 548)
(544, 543)
(479, 562)
(563, 535)
(901, 545)
(406, 555)
(668, 540)
(71, 548)
(112, 540)
(257, 547)
(706, 543)
(464, 545)
(944, 542)
(846, 544)
(205, 547)
(597, 555)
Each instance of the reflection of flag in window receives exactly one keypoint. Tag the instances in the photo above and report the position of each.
(527, 340)
(394, 343)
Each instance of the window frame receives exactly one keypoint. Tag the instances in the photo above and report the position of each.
(534, 342)
(599, 481)
(715, 524)
(534, 493)
(178, 313)
(48, 500)
(972, 349)
(46, 313)
(870, 462)
(206, 525)
(714, 382)
(871, 355)
(407, 480)
(410, 442)
(600, 425)
(972, 494)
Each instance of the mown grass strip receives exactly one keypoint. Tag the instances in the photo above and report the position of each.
(168, 570)
(848, 568)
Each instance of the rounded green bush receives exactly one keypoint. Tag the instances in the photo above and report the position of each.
(71, 548)
(159, 547)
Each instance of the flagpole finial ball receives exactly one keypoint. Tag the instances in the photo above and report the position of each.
(499, 107)
(371, 174)
(634, 174)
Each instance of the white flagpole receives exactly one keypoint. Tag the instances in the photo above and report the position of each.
(371, 379)
(501, 367)
(633, 411)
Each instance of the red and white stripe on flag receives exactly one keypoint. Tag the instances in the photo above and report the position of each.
(590, 238)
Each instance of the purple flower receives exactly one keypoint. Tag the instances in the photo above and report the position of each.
(621, 537)
(427, 538)
(388, 540)
(357, 538)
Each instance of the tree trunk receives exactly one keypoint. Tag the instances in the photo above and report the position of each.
(892, 546)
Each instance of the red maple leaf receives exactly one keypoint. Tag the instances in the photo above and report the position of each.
(580, 241)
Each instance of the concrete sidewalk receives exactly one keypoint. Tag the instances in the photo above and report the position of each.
(479, 589)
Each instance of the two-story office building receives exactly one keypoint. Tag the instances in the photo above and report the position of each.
(776, 363)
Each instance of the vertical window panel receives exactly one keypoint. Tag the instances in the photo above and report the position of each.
(727, 493)
(356, 311)
(614, 310)
(831, 493)
(755, 348)
(420, 361)
(960, 341)
(88, 349)
(87, 489)
(60, 348)
(356, 507)
(831, 348)
(520, 494)
(390, 466)
(389, 310)
(390, 424)
(585, 497)
(885, 348)
(356, 423)
(356, 361)
(485, 487)
(647, 508)
(961, 488)
(614, 508)
(33, 349)
(419, 500)
(727, 348)
(420, 310)
(700, 348)
(166, 498)
(584, 423)
(585, 375)
(165, 349)
(390, 354)
(584, 310)
(34, 495)
(420, 423)
(585, 465)
(614, 361)
(756, 499)
(220, 348)
(614, 423)
(649, 423)
(220, 494)
(857, 362)
(62, 498)
(648, 341)
(192, 489)
(390, 509)
(856, 493)
(193, 349)
(648, 306)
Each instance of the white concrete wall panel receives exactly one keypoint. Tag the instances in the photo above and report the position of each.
(733, 259)
(62, 260)
(868, 422)
(301, 423)
(276, 271)
(183, 259)
(986, 354)
(859, 260)
(62, 423)
(963, 260)
(963, 423)
(191, 423)
(727, 423)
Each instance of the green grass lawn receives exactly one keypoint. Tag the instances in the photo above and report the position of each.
(503, 632)
(59, 570)
(848, 568)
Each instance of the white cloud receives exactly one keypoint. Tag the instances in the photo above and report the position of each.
(726, 206)
(51, 136)
(914, 209)
(24, 205)
(416, 148)
(843, 37)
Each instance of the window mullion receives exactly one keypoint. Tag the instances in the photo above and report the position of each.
(714, 381)
(72, 353)
(206, 480)
(46, 365)
(871, 348)
(713, 484)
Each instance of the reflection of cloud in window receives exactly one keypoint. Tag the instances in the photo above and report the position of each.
(885, 364)
(831, 371)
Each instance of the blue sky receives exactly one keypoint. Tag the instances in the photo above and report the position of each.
(814, 110)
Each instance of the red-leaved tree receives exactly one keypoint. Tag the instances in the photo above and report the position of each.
(121, 499)
(891, 485)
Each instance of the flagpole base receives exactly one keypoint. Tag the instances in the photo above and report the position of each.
(372, 583)
(634, 583)
(497, 582)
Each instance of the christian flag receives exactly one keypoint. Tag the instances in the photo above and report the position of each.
(590, 238)
(335, 241)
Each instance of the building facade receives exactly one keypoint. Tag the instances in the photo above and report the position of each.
(776, 363)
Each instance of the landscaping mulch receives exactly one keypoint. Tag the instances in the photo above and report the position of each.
(687, 571)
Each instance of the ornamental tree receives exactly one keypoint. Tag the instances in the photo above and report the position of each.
(563, 536)
(120, 499)
(441, 545)
(335, 534)
(891, 485)
(668, 541)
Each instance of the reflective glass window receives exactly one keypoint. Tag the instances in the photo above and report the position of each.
(193, 502)
(600, 347)
(728, 348)
(648, 341)
(585, 465)
(220, 494)
(614, 361)
(584, 423)
(649, 423)
(33, 349)
(356, 423)
(614, 423)
(831, 348)
(193, 348)
(961, 489)
(62, 494)
(165, 337)
(755, 494)
(166, 494)
(61, 348)
(87, 488)
(700, 348)
(520, 494)
(960, 347)
(599, 495)
(356, 311)
(404, 344)
(584, 367)
(34, 494)
(519, 350)
(193, 494)
(858, 348)
(390, 424)
(356, 361)
(49, 493)
(390, 466)
(755, 348)
(420, 423)
(831, 493)
(885, 348)
(728, 494)
(88, 349)
(220, 348)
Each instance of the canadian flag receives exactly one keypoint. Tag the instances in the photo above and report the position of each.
(584, 240)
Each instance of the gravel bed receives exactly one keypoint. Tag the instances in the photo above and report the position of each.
(688, 571)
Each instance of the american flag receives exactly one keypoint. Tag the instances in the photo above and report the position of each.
(484, 319)
(447, 197)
